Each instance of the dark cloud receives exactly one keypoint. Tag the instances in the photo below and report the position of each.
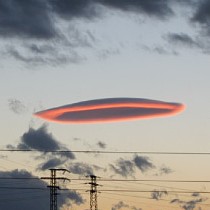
(182, 39)
(80, 168)
(41, 140)
(35, 19)
(157, 8)
(52, 163)
(123, 167)
(202, 15)
(157, 195)
(32, 199)
(43, 20)
(16, 106)
(101, 144)
(127, 168)
(188, 205)
(143, 163)
(26, 18)
(69, 9)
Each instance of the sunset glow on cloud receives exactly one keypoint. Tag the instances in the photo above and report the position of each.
(110, 110)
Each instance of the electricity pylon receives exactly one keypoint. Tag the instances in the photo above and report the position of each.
(93, 192)
(54, 187)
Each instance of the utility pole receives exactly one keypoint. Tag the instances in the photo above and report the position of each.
(93, 192)
(54, 187)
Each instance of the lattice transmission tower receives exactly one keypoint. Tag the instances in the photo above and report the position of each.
(54, 187)
(93, 192)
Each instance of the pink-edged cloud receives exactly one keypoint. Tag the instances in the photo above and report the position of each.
(110, 110)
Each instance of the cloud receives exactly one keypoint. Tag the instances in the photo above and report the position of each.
(38, 54)
(143, 163)
(182, 39)
(26, 19)
(110, 110)
(127, 168)
(101, 145)
(16, 106)
(75, 8)
(165, 170)
(52, 163)
(80, 168)
(188, 205)
(157, 9)
(123, 205)
(123, 167)
(157, 195)
(120, 205)
(36, 19)
(135, 208)
(41, 140)
(30, 198)
(159, 50)
(202, 15)
(46, 31)
(23, 57)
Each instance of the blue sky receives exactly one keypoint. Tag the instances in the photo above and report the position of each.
(55, 53)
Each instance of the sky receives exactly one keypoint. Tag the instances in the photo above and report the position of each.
(59, 52)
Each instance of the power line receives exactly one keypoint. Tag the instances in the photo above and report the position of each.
(114, 180)
(23, 188)
(106, 152)
(154, 180)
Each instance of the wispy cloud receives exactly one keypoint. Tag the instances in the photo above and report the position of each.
(123, 167)
(123, 205)
(80, 168)
(157, 195)
(165, 170)
(16, 106)
(120, 205)
(190, 204)
(101, 144)
(182, 39)
(128, 168)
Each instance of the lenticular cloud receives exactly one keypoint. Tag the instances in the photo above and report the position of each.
(110, 110)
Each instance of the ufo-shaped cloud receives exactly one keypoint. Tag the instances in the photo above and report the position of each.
(110, 110)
